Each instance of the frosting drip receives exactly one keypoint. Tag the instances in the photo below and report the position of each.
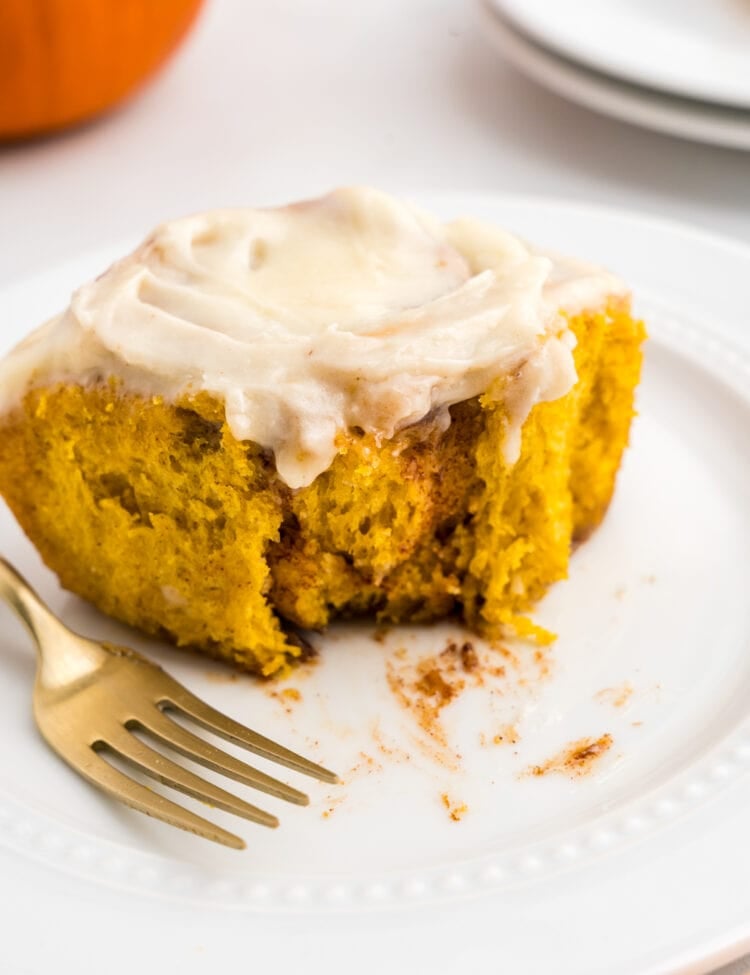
(351, 310)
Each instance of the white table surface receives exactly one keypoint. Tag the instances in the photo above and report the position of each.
(272, 100)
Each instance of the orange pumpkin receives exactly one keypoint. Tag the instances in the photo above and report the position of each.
(63, 61)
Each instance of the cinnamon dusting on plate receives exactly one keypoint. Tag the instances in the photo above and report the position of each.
(365, 764)
(427, 686)
(576, 759)
(388, 749)
(618, 697)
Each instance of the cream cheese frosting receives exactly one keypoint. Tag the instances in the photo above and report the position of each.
(352, 310)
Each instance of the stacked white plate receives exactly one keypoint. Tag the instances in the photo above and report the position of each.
(676, 66)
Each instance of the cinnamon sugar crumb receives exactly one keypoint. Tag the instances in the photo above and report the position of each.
(367, 762)
(433, 685)
(456, 810)
(576, 759)
(508, 735)
(469, 658)
(287, 697)
(541, 658)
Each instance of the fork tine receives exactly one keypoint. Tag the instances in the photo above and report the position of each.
(203, 714)
(199, 750)
(153, 763)
(111, 780)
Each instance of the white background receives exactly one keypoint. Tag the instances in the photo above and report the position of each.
(272, 100)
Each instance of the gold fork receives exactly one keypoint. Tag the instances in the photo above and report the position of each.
(89, 697)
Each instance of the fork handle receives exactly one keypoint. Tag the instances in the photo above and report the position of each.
(41, 622)
(19, 595)
(63, 655)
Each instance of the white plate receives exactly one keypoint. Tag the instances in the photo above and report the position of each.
(663, 113)
(693, 48)
(640, 867)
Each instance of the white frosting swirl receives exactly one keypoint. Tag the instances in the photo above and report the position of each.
(351, 310)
